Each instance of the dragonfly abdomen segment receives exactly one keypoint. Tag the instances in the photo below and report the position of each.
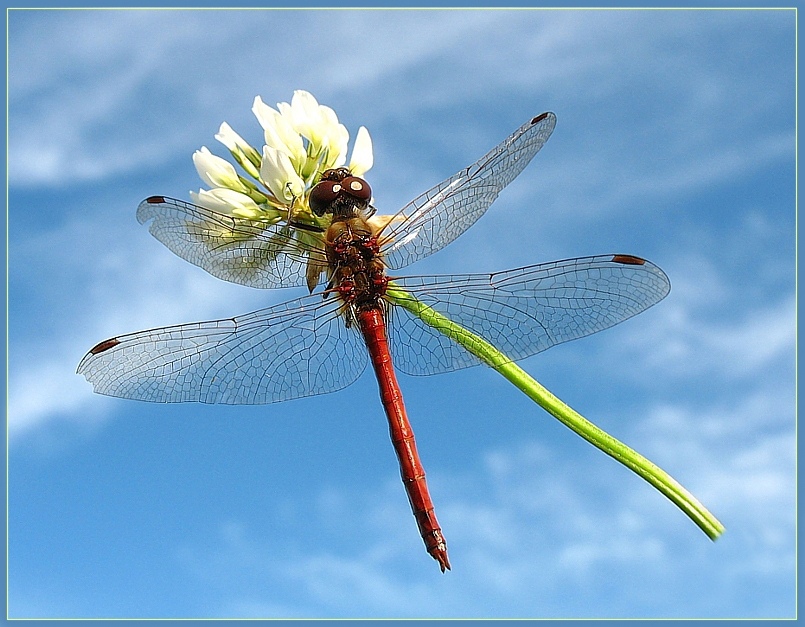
(373, 327)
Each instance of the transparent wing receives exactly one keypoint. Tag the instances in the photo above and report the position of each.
(248, 252)
(298, 348)
(523, 311)
(434, 219)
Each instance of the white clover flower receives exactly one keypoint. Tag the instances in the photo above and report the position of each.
(302, 139)
(326, 138)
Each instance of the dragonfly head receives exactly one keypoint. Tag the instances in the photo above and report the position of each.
(339, 193)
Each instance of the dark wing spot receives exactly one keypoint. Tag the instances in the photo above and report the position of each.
(104, 346)
(539, 118)
(628, 259)
(155, 200)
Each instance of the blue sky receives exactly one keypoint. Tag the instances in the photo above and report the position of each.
(675, 142)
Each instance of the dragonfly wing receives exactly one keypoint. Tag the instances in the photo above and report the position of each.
(419, 349)
(525, 311)
(248, 252)
(295, 349)
(437, 217)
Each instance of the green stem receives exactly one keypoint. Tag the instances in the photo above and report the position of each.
(491, 356)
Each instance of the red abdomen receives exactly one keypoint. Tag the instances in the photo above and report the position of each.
(373, 327)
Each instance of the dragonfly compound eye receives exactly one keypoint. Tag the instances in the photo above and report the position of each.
(324, 193)
(357, 188)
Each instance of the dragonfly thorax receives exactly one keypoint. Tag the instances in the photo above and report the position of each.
(357, 272)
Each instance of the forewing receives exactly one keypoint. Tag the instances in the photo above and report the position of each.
(247, 252)
(437, 217)
(299, 348)
(522, 312)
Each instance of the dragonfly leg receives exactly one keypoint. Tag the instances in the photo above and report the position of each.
(306, 227)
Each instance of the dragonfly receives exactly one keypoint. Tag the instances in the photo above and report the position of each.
(322, 342)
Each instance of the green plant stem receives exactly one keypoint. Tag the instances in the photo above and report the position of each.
(491, 356)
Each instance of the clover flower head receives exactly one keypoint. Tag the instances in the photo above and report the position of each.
(301, 140)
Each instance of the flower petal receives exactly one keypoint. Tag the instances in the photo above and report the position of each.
(307, 119)
(362, 158)
(337, 143)
(278, 173)
(227, 201)
(279, 133)
(216, 172)
(246, 155)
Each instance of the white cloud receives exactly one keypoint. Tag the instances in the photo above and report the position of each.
(57, 135)
(108, 290)
(117, 63)
(699, 167)
(688, 344)
(525, 525)
(711, 324)
(112, 115)
(709, 165)
(46, 391)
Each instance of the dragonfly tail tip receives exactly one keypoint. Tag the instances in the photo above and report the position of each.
(440, 555)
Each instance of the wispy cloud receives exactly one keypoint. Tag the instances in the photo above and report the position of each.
(678, 120)
(75, 132)
(71, 130)
(83, 129)
(110, 291)
(527, 521)
(688, 344)
(46, 391)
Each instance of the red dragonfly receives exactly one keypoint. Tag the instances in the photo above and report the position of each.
(319, 343)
